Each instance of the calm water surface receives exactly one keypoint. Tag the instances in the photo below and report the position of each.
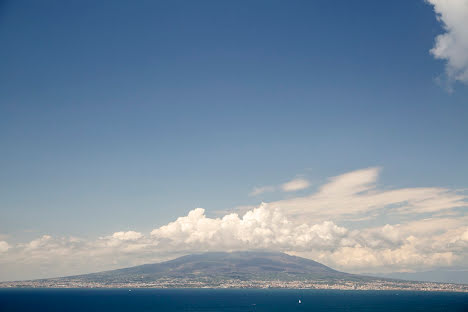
(226, 300)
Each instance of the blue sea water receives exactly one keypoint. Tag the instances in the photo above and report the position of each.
(116, 300)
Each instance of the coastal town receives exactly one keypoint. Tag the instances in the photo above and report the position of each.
(253, 284)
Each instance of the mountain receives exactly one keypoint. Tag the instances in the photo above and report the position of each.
(244, 265)
(246, 269)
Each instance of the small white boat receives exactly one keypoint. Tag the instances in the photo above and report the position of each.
(300, 301)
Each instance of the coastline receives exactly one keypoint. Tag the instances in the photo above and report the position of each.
(380, 285)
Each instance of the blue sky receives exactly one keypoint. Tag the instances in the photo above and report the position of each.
(118, 115)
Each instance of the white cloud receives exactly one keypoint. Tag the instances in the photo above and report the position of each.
(262, 189)
(290, 186)
(4, 246)
(452, 46)
(416, 245)
(295, 185)
(261, 227)
(355, 194)
(464, 236)
(308, 226)
(127, 236)
(38, 243)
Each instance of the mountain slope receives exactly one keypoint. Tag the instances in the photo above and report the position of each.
(223, 265)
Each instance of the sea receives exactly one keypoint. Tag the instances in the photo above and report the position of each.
(270, 300)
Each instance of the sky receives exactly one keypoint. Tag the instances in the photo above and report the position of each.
(135, 132)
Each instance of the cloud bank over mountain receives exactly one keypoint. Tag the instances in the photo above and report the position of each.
(330, 226)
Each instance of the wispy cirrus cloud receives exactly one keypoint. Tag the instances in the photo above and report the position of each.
(355, 194)
(262, 189)
(296, 184)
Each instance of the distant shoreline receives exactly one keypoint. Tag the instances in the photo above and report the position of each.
(384, 285)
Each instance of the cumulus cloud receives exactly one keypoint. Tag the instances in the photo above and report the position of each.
(452, 45)
(400, 248)
(262, 227)
(416, 245)
(295, 185)
(312, 226)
